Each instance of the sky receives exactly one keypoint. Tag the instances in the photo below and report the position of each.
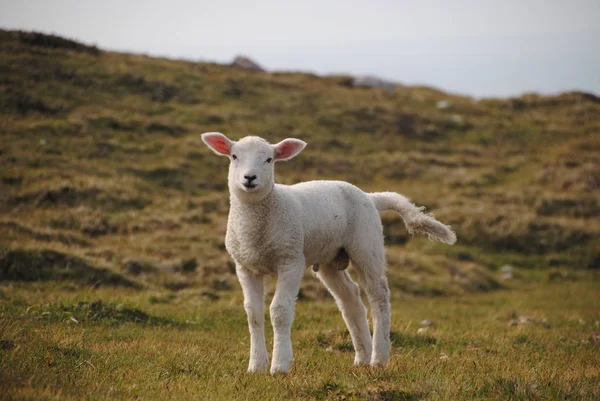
(479, 48)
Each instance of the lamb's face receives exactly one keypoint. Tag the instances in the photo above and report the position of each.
(252, 167)
(252, 161)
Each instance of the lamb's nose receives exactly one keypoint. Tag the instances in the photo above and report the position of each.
(250, 178)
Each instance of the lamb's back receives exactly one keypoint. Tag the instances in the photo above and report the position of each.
(327, 210)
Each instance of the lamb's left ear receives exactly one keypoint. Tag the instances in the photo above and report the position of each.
(288, 148)
(218, 143)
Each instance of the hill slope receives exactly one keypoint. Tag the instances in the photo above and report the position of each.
(103, 165)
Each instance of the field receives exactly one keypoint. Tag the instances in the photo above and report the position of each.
(114, 279)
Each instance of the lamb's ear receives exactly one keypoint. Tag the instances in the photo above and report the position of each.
(288, 148)
(218, 143)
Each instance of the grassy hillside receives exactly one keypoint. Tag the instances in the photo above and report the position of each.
(102, 159)
(108, 194)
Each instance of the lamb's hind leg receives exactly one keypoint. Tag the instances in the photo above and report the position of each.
(347, 296)
(370, 265)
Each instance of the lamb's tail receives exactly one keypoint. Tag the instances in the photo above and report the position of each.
(414, 219)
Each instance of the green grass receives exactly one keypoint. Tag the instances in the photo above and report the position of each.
(115, 282)
(59, 345)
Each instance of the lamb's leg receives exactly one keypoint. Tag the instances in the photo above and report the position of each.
(378, 295)
(347, 296)
(282, 315)
(254, 303)
(370, 265)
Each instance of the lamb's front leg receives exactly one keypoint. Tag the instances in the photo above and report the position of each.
(282, 315)
(254, 303)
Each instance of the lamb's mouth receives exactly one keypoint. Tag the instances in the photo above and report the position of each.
(249, 187)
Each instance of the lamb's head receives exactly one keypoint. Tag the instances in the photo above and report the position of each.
(252, 160)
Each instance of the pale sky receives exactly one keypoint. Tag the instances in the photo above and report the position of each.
(479, 48)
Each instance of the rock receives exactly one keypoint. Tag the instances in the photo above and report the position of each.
(557, 274)
(422, 330)
(373, 82)
(246, 63)
(507, 276)
(427, 322)
(507, 269)
(521, 320)
(443, 104)
(167, 267)
(524, 320)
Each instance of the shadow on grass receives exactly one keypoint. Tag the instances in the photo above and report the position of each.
(330, 390)
(48, 265)
(403, 340)
(104, 313)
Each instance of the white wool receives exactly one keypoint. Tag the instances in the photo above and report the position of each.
(281, 229)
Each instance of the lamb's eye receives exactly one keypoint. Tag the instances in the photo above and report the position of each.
(268, 160)
(234, 157)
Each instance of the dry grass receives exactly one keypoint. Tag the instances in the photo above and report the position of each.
(62, 343)
(108, 194)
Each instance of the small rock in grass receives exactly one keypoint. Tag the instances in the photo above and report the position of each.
(557, 274)
(427, 322)
(507, 276)
(521, 320)
(507, 269)
(422, 330)
(524, 320)
(444, 356)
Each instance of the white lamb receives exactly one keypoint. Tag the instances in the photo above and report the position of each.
(274, 228)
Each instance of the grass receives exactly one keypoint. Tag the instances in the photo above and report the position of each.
(115, 282)
(60, 345)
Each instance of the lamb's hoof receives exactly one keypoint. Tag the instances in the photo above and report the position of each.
(280, 369)
(379, 360)
(361, 362)
(256, 367)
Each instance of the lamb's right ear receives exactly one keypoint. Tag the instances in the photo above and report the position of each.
(218, 143)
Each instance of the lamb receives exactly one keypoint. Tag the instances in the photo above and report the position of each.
(274, 228)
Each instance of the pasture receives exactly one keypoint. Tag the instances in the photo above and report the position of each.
(115, 282)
